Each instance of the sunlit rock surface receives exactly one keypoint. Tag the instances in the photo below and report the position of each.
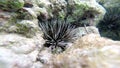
(21, 42)
(11, 5)
(77, 9)
(82, 31)
(91, 51)
(20, 37)
(109, 3)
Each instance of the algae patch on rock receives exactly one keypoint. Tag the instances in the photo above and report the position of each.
(11, 5)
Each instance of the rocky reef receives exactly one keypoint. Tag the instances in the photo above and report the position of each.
(109, 3)
(109, 25)
(21, 38)
(90, 51)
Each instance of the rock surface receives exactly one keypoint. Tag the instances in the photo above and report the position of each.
(109, 3)
(91, 51)
(21, 39)
(88, 9)
(17, 51)
(82, 31)
(20, 36)
(11, 5)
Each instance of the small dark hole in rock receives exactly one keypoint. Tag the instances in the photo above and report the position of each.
(28, 5)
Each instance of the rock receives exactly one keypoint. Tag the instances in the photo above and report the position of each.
(94, 40)
(54, 8)
(20, 35)
(44, 56)
(25, 13)
(11, 5)
(82, 31)
(19, 44)
(19, 51)
(28, 4)
(77, 10)
(91, 51)
(20, 38)
(106, 57)
(25, 27)
(31, 13)
(21, 41)
(109, 3)
(37, 65)
(11, 60)
(85, 10)
(42, 3)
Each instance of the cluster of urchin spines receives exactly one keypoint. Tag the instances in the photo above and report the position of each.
(110, 22)
(56, 32)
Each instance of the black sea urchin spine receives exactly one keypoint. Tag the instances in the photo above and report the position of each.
(110, 23)
(56, 31)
